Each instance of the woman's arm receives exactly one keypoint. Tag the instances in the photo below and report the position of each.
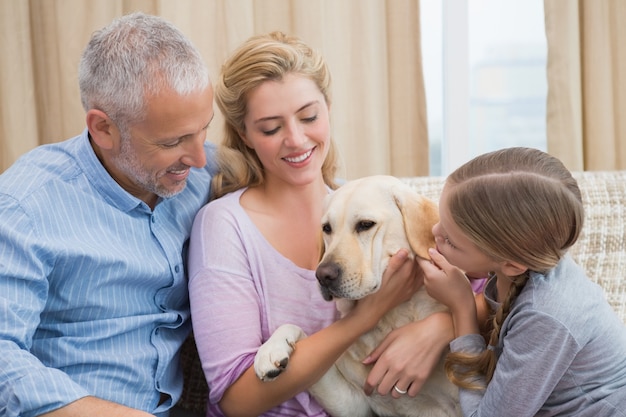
(314, 355)
(408, 355)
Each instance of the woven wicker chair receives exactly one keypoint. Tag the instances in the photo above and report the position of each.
(601, 250)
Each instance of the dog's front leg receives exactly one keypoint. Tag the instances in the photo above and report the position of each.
(339, 397)
(273, 356)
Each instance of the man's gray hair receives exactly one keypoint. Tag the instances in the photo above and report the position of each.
(135, 56)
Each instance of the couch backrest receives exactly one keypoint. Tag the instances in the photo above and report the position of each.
(601, 248)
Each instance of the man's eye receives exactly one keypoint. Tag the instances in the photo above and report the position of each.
(171, 144)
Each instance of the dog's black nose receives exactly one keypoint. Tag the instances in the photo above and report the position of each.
(327, 273)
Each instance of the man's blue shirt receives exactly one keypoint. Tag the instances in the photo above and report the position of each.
(93, 289)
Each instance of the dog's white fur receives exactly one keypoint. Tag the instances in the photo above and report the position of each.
(366, 221)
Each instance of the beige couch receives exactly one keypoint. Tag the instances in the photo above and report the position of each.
(601, 250)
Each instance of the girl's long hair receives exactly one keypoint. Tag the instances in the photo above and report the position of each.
(515, 204)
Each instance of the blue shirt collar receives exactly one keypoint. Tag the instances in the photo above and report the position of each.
(112, 192)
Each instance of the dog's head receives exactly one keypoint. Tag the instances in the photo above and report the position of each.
(365, 222)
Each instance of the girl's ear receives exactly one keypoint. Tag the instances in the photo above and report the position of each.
(102, 129)
(513, 269)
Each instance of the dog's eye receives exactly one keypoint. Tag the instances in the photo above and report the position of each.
(326, 228)
(364, 225)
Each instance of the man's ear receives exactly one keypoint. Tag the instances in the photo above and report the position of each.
(512, 269)
(101, 129)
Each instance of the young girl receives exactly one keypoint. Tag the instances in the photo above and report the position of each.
(255, 247)
(555, 345)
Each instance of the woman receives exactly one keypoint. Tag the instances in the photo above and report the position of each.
(255, 247)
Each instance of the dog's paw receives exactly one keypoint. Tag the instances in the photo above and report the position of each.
(272, 357)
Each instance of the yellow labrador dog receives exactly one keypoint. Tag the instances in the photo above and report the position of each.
(366, 221)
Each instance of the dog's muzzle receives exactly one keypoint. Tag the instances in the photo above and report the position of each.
(329, 277)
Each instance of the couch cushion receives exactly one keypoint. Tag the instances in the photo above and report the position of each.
(601, 248)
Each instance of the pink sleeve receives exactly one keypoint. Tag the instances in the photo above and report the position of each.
(224, 304)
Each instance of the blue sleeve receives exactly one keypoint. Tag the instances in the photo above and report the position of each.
(27, 387)
(537, 352)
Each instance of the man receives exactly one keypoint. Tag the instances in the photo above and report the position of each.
(93, 231)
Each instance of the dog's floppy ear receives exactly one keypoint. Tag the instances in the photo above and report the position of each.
(419, 214)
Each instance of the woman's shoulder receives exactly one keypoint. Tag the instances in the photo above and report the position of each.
(223, 210)
(226, 202)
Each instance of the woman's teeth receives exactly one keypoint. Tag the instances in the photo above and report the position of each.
(299, 158)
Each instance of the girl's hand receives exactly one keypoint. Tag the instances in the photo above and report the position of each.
(449, 285)
(408, 355)
(445, 282)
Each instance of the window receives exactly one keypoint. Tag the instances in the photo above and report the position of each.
(485, 75)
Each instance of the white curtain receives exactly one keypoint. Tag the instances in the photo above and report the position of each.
(372, 47)
(587, 83)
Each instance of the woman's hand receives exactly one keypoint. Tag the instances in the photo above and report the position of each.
(401, 279)
(408, 355)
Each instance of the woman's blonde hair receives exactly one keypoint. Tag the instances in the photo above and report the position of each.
(515, 204)
(262, 58)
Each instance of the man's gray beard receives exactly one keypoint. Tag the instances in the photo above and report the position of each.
(128, 162)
